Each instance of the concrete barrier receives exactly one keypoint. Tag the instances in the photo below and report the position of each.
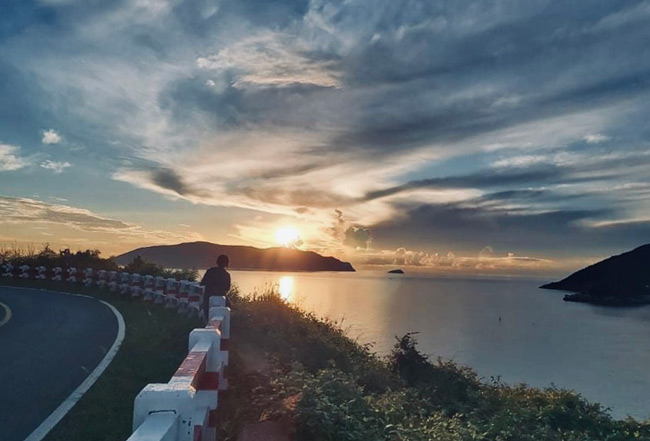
(171, 296)
(184, 408)
(41, 273)
(57, 274)
(71, 275)
(7, 270)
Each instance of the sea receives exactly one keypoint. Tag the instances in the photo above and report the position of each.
(502, 328)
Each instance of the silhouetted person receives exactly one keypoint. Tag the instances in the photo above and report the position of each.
(217, 283)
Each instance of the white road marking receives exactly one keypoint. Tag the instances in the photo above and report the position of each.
(7, 309)
(56, 416)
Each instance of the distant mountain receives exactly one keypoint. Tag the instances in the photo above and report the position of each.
(618, 280)
(203, 255)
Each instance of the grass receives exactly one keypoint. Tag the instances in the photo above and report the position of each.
(324, 386)
(320, 385)
(154, 346)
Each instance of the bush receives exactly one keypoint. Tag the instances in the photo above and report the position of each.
(140, 266)
(343, 391)
(50, 258)
(88, 259)
(447, 386)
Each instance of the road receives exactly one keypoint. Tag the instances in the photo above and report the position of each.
(49, 343)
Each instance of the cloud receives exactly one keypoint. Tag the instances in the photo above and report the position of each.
(596, 138)
(24, 211)
(468, 117)
(512, 223)
(478, 180)
(486, 253)
(357, 237)
(450, 262)
(271, 59)
(10, 159)
(51, 137)
(55, 166)
(168, 179)
(18, 210)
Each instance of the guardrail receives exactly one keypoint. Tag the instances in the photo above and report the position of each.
(183, 295)
(184, 408)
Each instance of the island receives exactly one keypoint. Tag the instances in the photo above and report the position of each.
(396, 271)
(622, 280)
(202, 255)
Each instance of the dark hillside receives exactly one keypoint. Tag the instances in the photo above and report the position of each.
(625, 276)
(203, 255)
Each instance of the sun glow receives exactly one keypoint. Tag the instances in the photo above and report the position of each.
(287, 236)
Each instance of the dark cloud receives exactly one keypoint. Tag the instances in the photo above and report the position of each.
(492, 178)
(560, 232)
(170, 180)
(291, 197)
(357, 237)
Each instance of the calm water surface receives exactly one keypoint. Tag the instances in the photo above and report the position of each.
(603, 353)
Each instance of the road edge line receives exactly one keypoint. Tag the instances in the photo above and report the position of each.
(46, 426)
(7, 317)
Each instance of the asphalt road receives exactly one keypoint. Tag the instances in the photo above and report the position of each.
(48, 346)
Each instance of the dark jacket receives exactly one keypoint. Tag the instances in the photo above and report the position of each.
(216, 281)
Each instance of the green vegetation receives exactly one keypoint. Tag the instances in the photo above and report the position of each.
(88, 259)
(47, 257)
(140, 266)
(324, 386)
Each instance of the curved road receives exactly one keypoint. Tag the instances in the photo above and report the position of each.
(49, 343)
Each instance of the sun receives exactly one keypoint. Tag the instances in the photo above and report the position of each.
(287, 236)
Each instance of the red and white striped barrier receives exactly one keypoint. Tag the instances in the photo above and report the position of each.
(24, 272)
(57, 274)
(41, 273)
(7, 270)
(159, 290)
(125, 283)
(195, 299)
(113, 280)
(88, 278)
(137, 285)
(149, 282)
(71, 275)
(184, 409)
(186, 296)
(102, 278)
(171, 296)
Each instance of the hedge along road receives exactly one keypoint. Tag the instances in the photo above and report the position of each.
(49, 344)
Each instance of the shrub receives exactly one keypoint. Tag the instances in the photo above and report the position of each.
(50, 258)
(343, 391)
(140, 266)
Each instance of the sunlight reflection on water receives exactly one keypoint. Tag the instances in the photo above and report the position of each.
(285, 288)
(541, 340)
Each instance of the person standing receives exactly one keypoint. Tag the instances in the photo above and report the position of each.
(217, 283)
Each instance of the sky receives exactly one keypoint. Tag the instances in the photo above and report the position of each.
(500, 137)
